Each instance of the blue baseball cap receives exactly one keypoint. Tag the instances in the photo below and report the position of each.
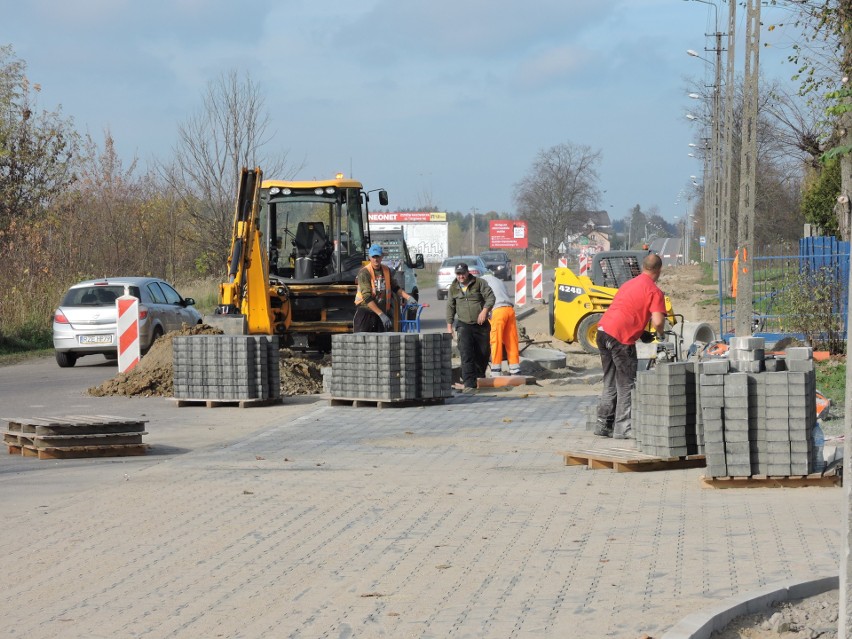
(376, 250)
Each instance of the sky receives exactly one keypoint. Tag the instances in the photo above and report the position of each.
(441, 100)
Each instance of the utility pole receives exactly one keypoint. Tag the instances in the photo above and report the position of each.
(748, 174)
(727, 147)
(716, 151)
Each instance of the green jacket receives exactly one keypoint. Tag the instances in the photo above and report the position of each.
(467, 306)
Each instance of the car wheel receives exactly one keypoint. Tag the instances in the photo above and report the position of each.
(587, 333)
(158, 333)
(66, 360)
(440, 296)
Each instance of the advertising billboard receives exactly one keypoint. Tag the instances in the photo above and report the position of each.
(429, 238)
(507, 234)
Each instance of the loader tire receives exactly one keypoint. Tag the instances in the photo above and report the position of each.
(551, 318)
(587, 333)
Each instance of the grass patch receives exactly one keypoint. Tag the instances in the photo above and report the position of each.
(205, 292)
(7, 359)
(426, 279)
(706, 274)
(831, 379)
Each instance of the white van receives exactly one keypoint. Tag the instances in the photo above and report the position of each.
(398, 260)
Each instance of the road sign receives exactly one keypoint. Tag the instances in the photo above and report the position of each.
(562, 248)
(702, 241)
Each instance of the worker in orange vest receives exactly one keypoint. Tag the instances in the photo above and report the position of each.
(373, 299)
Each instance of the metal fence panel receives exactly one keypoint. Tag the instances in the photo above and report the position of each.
(772, 273)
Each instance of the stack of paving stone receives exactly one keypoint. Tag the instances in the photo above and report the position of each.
(759, 423)
(391, 367)
(664, 415)
(226, 367)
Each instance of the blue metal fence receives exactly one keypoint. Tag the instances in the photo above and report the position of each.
(825, 255)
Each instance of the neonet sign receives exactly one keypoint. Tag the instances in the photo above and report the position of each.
(416, 216)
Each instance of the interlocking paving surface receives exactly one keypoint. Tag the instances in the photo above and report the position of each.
(441, 521)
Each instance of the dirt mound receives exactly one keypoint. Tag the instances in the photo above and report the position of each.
(152, 376)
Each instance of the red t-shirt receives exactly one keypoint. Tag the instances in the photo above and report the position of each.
(631, 309)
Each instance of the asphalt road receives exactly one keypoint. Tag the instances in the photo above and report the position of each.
(669, 249)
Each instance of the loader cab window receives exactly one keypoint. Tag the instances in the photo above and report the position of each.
(352, 224)
(306, 225)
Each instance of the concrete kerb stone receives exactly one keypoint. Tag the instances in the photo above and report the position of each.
(700, 625)
(524, 312)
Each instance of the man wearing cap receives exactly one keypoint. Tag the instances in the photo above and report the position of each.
(470, 299)
(373, 298)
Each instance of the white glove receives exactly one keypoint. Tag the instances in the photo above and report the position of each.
(386, 321)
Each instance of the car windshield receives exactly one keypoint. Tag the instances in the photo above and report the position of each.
(96, 295)
(493, 256)
(452, 261)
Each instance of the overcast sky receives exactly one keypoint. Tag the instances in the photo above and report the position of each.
(452, 98)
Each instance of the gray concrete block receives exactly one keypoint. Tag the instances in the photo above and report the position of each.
(799, 353)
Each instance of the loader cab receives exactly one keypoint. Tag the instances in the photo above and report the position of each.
(314, 231)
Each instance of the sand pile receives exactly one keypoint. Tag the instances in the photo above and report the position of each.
(152, 376)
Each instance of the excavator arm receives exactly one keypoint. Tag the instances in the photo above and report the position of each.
(245, 294)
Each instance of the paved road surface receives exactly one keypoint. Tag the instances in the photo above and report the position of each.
(307, 520)
(669, 249)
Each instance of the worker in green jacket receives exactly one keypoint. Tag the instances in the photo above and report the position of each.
(469, 300)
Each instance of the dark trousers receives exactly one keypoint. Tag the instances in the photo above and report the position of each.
(366, 321)
(475, 350)
(619, 376)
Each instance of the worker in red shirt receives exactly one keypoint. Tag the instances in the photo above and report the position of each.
(636, 302)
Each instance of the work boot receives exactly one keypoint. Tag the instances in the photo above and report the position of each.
(627, 434)
(602, 430)
(496, 371)
(514, 370)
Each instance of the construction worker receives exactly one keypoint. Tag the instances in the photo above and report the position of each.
(373, 298)
(470, 299)
(504, 329)
(637, 301)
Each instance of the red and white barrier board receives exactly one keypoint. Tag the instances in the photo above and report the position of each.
(584, 263)
(537, 281)
(520, 284)
(563, 262)
(127, 328)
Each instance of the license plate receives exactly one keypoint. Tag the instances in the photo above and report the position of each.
(96, 339)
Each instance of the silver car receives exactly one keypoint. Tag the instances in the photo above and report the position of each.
(447, 271)
(85, 322)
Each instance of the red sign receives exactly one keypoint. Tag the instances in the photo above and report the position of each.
(507, 234)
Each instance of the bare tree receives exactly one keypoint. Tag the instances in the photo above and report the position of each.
(228, 132)
(561, 186)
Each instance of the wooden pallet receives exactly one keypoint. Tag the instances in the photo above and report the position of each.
(382, 403)
(74, 436)
(215, 403)
(770, 481)
(627, 460)
(76, 452)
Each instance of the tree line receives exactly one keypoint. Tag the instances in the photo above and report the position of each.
(71, 209)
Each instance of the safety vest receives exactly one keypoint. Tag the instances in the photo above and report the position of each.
(383, 293)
